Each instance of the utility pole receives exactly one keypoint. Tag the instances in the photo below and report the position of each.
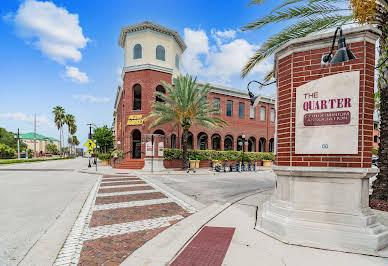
(35, 135)
(18, 146)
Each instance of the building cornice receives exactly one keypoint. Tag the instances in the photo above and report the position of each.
(145, 67)
(224, 90)
(117, 100)
(151, 26)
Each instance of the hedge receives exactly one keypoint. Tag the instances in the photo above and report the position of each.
(176, 154)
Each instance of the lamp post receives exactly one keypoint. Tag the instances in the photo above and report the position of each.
(342, 55)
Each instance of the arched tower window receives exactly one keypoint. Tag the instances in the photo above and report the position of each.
(177, 61)
(161, 89)
(137, 51)
(160, 53)
(137, 97)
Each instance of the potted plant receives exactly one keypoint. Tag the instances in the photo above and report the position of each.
(104, 157)
(267, 159)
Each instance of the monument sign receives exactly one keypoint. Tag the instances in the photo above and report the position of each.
(327, 115)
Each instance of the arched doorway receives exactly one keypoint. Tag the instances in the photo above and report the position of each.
(202, 141)
(189, 141)
(271, 145)
(216, 142)
(228, 143)
(136, 144)
(262, 142)
(252, 144)
(160, 89)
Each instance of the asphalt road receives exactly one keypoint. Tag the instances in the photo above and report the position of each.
(220, 187)
(32, 197)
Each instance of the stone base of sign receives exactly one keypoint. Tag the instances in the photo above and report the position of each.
(155, 164)
(324, 208)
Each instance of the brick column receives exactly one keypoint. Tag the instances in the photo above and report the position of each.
(322, 199)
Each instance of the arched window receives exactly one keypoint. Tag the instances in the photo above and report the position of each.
(137, 51)
(177, 61)
(271, 145)
(161, 89)
(202, 141)
(216, 142)
(262, 143)
(160, 53)
(173, 141)
(228, 143)
(137, 97)
(251, 144)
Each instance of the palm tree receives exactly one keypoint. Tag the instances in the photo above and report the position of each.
(309, 16)
(72, 127)
(59, 116)
(183, 106)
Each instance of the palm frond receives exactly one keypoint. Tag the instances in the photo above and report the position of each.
(297, 30)
(313, 9)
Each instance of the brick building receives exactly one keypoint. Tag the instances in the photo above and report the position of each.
(152, 54)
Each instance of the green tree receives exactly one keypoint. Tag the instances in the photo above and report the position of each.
(309, 16)
(59, 120)
(183, 106)
(52, 148)
(104, 139)
(6, 152)
(72, 129)
(10, 139)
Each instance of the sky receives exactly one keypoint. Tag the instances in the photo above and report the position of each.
(66, 53)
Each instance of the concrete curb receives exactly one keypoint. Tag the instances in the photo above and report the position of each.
(46, 249)
(164, 247)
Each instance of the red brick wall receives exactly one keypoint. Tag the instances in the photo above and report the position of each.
(149, 79)
(299, 68)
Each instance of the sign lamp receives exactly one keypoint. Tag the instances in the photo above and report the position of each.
(342, 55)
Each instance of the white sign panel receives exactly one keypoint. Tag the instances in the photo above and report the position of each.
(149, 149)
(327, 114)
(160, 149)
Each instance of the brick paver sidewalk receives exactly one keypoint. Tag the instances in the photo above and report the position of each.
(121, 213)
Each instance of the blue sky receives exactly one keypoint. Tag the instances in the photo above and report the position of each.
(66, 53)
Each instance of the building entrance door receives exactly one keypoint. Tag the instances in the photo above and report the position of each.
(136, 144)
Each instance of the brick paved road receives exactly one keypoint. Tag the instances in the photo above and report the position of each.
(121, 214)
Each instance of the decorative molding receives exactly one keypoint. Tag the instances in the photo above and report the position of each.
(146, 67)
(154, 27)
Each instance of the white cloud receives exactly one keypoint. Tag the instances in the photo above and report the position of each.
(222, 36)
(197, 43)
(53, 30)
(92, 99)
(75, 75)
(222, 61)
(18, 116)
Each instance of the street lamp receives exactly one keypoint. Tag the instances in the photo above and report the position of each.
(342, 55)
(118, 145)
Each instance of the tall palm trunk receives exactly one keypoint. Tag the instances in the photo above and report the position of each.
(380, 185)
(60, 141)
(185, 161)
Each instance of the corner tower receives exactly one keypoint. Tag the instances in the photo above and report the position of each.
(151, 46)
(152, 54)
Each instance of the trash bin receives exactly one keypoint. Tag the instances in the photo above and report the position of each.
(194, 164)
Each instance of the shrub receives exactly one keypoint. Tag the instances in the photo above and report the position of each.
(6, 152)
(374, 151)
(117, 154)
(104, 156)
(176, 154)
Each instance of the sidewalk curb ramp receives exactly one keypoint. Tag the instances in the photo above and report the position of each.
(163, 248)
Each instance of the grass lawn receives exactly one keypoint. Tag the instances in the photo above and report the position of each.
(33, 160)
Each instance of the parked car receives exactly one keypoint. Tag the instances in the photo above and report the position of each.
(374, 160)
